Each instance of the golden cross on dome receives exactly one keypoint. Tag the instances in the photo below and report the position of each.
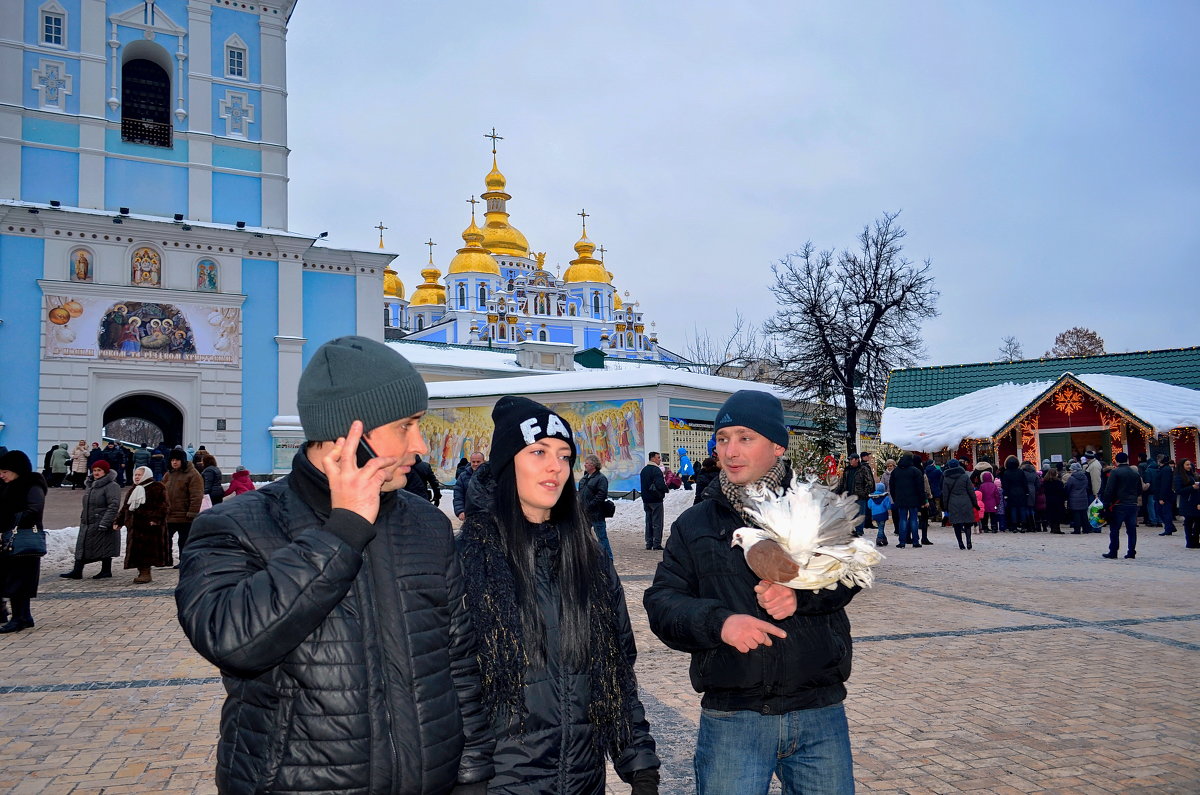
(494, 138)
(601, 250)
(584, 215)
(381, 227)
(473, 201)
(431, 244)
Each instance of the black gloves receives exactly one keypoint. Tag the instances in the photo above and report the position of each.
(645, 782)
(476, 788)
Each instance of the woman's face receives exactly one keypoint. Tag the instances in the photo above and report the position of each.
(138, 476)
(1187, 465)
(7, 476)
(542, 470)
(97, 473)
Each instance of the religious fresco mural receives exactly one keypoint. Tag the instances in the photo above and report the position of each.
(81, 265)
(101, 328)
(612, 430)
(206, 276)
(145, 268)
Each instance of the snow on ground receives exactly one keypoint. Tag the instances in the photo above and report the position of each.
(630, 518)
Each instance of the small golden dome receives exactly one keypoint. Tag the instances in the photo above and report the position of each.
(430, 292)
(473, 257)
(495, 181)
(586, 268)
(618, 304)
(392, 286)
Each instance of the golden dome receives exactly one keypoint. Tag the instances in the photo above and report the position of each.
(586, 268)
(494, 180)
(618, 304)
(392, 286)
(473, 257)
(431, 292)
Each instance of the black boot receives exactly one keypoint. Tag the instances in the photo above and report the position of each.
(3, 612)
(105, 569)
(75, 573)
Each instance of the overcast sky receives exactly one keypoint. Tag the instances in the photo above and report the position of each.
(1044, 155)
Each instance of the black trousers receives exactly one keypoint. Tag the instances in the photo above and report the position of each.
(654, 524)
(961, 532)
(182, 528)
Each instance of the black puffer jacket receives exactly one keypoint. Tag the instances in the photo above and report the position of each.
(593, 491)
(958, 496)
(907, 484)
(553, 751)
(703, 580)
(346, 647)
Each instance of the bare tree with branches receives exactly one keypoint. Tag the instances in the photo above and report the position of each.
(845, 320)
(1077, 341)
(1011, 350)
(739, 354)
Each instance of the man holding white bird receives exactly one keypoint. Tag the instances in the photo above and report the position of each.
(770, 660)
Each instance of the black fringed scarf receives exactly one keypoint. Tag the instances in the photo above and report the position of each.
(492, 600)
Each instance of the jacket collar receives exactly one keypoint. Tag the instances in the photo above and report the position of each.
(311, 486)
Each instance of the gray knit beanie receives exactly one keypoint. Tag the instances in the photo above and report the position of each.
(355, 378)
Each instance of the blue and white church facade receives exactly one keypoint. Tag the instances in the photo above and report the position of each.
(146, 267)
(497, 293)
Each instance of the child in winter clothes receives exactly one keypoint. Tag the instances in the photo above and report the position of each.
(879, 504)
(240, 483)
(990, 491)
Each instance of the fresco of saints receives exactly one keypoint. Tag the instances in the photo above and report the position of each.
(146, 270)
(82, 266)
(131, 340)
(112, 327)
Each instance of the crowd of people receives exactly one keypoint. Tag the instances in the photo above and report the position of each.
(1082, 494)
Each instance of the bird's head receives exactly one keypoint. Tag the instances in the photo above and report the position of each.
(746, 537)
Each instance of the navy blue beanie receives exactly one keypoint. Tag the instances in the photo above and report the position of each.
(759, 411)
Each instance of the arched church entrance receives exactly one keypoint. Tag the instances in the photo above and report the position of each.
(144, 419)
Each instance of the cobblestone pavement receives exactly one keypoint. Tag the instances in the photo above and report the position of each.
(1029, 664)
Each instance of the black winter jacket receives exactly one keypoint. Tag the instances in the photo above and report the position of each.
(703, 478)
(553, 751)
(1014, 485)
(346, 647)
(654, 485)
(593, 491)
(1164, 485)
(1124, 486)
(958, 496)
(907, 484)
(703, 580)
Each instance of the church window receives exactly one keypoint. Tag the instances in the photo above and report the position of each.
(146, 105)
(235, 62)
(596, 304)
(542, 335)
(482, 296)
(54, 24)
(462, 296)
(629, 341)
(145, 268)
(420, 322)
(502, 331)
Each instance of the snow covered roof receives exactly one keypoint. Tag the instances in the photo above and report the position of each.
(584, 380)
(981, 414)
(502, 362)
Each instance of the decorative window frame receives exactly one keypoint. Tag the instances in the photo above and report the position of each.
(52, 9)
(216, 274)
(462, 295)
(235, 44)
(482, 295)
(52, 97)
(233, 120)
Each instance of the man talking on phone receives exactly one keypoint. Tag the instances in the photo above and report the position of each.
(333, 605)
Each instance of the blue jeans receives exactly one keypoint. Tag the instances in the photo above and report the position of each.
(1151, 510)
(1166, 515)
(862, 512)
(601, 530)
(1123, 515)
(881, 524)
(908, 526)
(809, 750)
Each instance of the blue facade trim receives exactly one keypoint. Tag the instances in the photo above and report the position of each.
(178, 153)
(591, 338)
(220, 125)
(21, 262)
(236, 157)
(560, 334)
(330, 306)
(236, 198)
(145, 188)
(225, 23)
(48, 174)
(33, 23)
(260, 361)
(32, 61)
(47, 131)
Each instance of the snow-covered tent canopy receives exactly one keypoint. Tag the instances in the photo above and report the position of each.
(1152, 407)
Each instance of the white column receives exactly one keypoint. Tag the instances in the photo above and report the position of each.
(290, 338)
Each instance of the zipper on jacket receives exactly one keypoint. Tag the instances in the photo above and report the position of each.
(381, 667)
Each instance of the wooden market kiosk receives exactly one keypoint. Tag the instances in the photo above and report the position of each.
(1142, 403)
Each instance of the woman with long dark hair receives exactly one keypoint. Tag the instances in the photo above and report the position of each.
(555, 647)
(22, 500)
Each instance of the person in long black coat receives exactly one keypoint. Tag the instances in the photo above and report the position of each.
(1056, 494)
(958, 497)
(1016, 494)
(98, 539)
(1187, 487)
(907, 489)
(22, 501)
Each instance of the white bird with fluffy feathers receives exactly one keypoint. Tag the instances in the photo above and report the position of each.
(806, 538)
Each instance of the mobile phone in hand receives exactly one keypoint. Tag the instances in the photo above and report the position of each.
(365, 453)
